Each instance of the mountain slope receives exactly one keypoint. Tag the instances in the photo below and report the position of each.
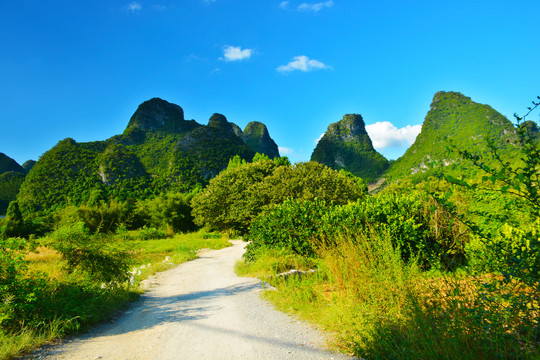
(10, 183)
(8, 164)
(159, 151)
(463, 122)
(346, 145)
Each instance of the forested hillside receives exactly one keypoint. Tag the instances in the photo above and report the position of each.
(455, 119)
(346, 145)
(158, 152)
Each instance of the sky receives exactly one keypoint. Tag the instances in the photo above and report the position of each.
(79, 69)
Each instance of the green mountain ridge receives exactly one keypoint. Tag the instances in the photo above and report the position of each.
(453, 117)
(347, 145)
(256, 136)
(161, 151)
(158, 151)
(8, 164)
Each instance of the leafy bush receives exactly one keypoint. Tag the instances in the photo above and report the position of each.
(102, 217)
(226, 202)
(172, 210)
(421, 230)
(292, 225)
(149, 233)
(14, 223)
(238, 195)
(96, 255)
(15, 286)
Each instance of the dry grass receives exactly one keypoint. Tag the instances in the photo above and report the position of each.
(46, 260)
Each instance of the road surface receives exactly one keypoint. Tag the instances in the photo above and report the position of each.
(199, 310)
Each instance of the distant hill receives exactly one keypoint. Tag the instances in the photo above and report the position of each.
(28, 165)
(11, 178)
(460, 120)
(8, 164)
(159, 151)
(160, 115)
(256, 136)
(346, 145)
(10, 183)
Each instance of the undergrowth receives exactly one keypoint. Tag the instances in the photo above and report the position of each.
(378, 306)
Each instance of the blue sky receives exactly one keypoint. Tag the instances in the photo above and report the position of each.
(80, 69)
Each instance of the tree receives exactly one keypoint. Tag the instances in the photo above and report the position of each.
(15, 225)
(224, 204)
(237, 196)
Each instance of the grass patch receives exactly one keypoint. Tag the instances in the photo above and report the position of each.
(273, 261)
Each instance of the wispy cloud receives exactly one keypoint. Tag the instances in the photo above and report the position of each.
(194, 57)
(302, 63)
(285, 151)
(134, 6)
(209, 1)
(159, 7)
(386, 135)
(235, 53)
(315, 7)
(284, 5)
(316, 141)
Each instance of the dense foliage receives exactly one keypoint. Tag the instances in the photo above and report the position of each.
(419, 229)
(234, 198)
(478, 237)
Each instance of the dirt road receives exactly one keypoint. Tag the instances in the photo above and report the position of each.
(199, 310)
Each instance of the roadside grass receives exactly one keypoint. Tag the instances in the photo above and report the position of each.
(376, 306)
(61, 303)
(273, 261)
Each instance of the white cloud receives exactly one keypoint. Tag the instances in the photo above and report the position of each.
(316, 141)
(235, 53)
(284, 5)
(134, 6)
(209, 1)
(285, 151)
(385, 135)
(302, 63)
(315, 7)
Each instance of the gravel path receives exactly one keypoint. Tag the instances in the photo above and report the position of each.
(199, 310)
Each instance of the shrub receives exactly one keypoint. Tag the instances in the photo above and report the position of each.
(15, 226)
(149, 233)
(291, 225)
(421, 230)
(97, 255)
(171, 210)
(13, 281)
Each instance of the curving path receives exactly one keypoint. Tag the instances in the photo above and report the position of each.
(199, 310)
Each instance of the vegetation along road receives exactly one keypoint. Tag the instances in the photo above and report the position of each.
(199, 310)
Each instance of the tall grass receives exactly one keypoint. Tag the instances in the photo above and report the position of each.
(380, 307)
